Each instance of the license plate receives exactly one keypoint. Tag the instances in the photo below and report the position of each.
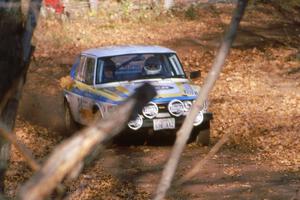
(163, 123)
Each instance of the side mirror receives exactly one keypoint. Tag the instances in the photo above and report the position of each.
(195, 74)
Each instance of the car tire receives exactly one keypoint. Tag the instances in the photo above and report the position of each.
(70, 125)
(201, 134)
(97, 115)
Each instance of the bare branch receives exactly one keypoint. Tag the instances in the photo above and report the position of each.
(13, 90)
(26, 153)
(186, 128)
(195, 170)
(2, 197)
(72, 152)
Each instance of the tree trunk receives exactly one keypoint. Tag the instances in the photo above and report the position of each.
(15, 51)
(8, 118)
(168, 4)
(94, 5)
(10, 67)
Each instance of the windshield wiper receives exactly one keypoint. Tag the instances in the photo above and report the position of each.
(135, 58)
(178, 76)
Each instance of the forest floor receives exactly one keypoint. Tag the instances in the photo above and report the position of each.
(256, 100)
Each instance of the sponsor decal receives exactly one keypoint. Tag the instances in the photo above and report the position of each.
(107, 108)
(188, 90)
(163, 87)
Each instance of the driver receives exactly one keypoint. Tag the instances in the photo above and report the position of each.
(152, 66)
(108, 70)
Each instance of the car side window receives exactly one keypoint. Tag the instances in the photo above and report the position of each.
(80, 69)
(100, 64)
(176, 64)
(89, 71)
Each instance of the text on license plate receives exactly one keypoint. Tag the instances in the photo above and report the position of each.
(163, 123)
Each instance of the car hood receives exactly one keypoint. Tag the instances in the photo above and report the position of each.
(166, 90)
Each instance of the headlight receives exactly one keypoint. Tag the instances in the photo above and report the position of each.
(136, 123)
(199, 119)
(187, 105)
(205, 105)
(176, 108)
(150, 110)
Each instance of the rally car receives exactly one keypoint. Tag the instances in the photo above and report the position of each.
(104, 77)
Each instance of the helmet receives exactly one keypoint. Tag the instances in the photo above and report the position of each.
(152, 66)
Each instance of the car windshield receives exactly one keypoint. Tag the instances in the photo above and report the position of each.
(138, 66)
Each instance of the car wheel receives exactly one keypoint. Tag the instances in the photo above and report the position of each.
(201, 134)
(70, 125)
(97, 115)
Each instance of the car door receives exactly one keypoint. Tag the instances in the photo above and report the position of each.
(74, 97)
(87, 100)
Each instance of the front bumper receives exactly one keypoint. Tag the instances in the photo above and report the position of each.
(148, 123)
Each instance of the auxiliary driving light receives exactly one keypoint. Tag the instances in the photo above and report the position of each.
(136, 123)
(199, 119)
(187, 105)
(150, 110)
(176, 108)
(205, 105)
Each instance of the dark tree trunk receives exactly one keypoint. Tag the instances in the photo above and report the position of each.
(8, 118)
(10, 67)
(15, 51)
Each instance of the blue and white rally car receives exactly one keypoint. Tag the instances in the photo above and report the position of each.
(104, 77)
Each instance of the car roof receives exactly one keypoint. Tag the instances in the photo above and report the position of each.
(126, 49)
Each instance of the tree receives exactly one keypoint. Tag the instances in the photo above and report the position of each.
(168, 4)
(93, 5)
(16, 33)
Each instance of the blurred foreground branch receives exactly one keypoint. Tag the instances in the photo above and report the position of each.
(26, 153)
(195, 170)
(70, 154)
(186, 128)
